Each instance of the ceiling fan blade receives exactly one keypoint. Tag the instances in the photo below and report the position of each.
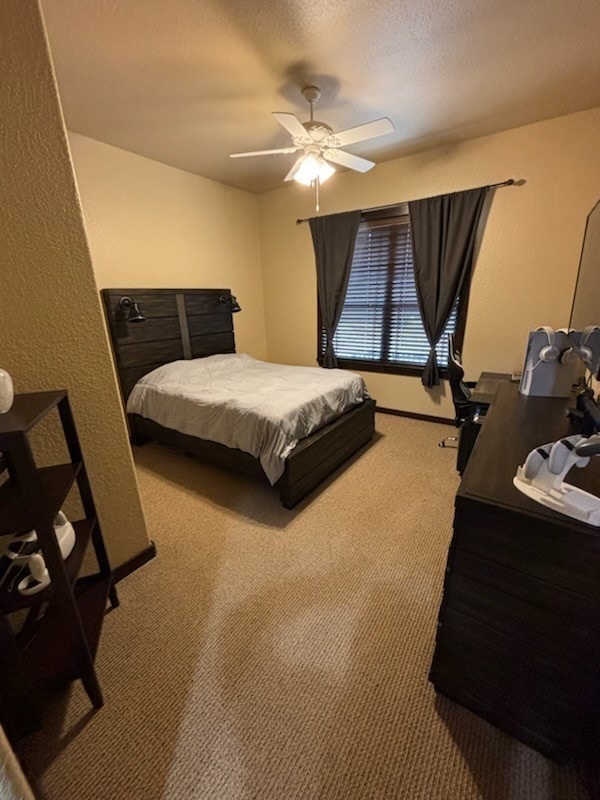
(292, 173)
(370, 130)
(291, 123)
(265, 152)
(348, 160)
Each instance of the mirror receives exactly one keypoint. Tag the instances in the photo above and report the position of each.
(585, 312)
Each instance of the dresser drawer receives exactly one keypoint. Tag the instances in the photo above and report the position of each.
(562, 605)
(524, 659)
(543, 731)
(513, 680)
(566, 644)
(559, 555)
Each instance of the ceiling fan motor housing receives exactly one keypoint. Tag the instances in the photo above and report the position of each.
(318, 130)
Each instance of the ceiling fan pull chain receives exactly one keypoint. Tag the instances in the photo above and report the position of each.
(317, 194)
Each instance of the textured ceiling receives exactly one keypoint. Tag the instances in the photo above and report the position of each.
(186, 82)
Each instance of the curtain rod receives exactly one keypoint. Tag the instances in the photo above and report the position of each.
(508, 182)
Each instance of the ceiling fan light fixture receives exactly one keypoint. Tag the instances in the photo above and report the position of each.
(313, 167)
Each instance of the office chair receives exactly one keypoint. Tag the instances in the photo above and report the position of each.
(461, 391)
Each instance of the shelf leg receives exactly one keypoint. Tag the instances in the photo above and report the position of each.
(83, 484)
(19, 711)
(92, 687)
(114, 597)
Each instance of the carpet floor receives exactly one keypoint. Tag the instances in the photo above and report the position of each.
(282, 654)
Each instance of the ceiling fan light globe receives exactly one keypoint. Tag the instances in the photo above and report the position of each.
(313, 167)
(309, 169)
(325, 171)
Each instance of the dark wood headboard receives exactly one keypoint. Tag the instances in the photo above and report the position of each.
(180, 323)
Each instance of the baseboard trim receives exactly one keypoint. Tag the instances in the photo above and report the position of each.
(137, 561)
(414, 415)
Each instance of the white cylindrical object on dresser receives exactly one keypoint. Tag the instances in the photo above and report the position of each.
(7, 391)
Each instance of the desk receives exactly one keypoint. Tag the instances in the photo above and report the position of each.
(482, 396)
(487, 387)
(518, 637)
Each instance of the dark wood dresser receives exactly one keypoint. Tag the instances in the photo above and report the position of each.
(518, 638)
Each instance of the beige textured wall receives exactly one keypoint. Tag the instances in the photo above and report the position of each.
(156, 226)
(52, 332)
(13, 784)
(527, 264)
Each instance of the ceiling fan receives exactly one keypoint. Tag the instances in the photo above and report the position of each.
(321, 145)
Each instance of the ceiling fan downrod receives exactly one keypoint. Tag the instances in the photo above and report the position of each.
(311, 94)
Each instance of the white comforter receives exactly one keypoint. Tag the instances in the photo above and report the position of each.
(260, 408)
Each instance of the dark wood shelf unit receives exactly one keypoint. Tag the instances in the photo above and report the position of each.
(27, 410)
(518, 637)
(58, 638)
(48, 663)
(15, 513)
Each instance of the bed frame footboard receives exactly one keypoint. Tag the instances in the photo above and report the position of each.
(311, 461)
(321, 453)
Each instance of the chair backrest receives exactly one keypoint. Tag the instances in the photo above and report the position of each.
(461, 394)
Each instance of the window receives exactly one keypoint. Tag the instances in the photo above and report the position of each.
(380, 328)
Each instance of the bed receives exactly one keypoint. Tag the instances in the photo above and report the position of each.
(186, 324)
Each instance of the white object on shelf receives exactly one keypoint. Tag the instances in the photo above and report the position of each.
(20, 546)
(541, 478)
(7, 391)
(39, 578)
(17, 553)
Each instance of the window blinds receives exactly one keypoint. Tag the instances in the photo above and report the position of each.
(381, 322)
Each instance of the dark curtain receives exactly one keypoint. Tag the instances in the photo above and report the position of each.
(443, 239)
(334, 238)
